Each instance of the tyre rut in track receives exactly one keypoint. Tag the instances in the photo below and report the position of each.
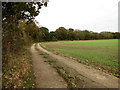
(45, 75)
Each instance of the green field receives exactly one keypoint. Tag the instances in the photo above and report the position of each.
(100, 53)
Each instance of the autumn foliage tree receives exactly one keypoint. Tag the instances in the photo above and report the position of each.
(61, 33)
(12, 14)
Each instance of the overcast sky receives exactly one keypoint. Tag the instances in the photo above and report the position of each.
(92, 15)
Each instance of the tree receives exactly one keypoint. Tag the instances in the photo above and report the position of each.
(53, 36)
(12, 13)
(106, 35)
(33, 31)
(116, 35)
(61, 33)
(81, 35)
(70, 30)
(45, 33)
(71, 34)
(87, 34)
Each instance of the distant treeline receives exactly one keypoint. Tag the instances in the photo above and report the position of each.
(43, 34)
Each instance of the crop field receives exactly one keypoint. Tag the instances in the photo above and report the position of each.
(99, 53)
